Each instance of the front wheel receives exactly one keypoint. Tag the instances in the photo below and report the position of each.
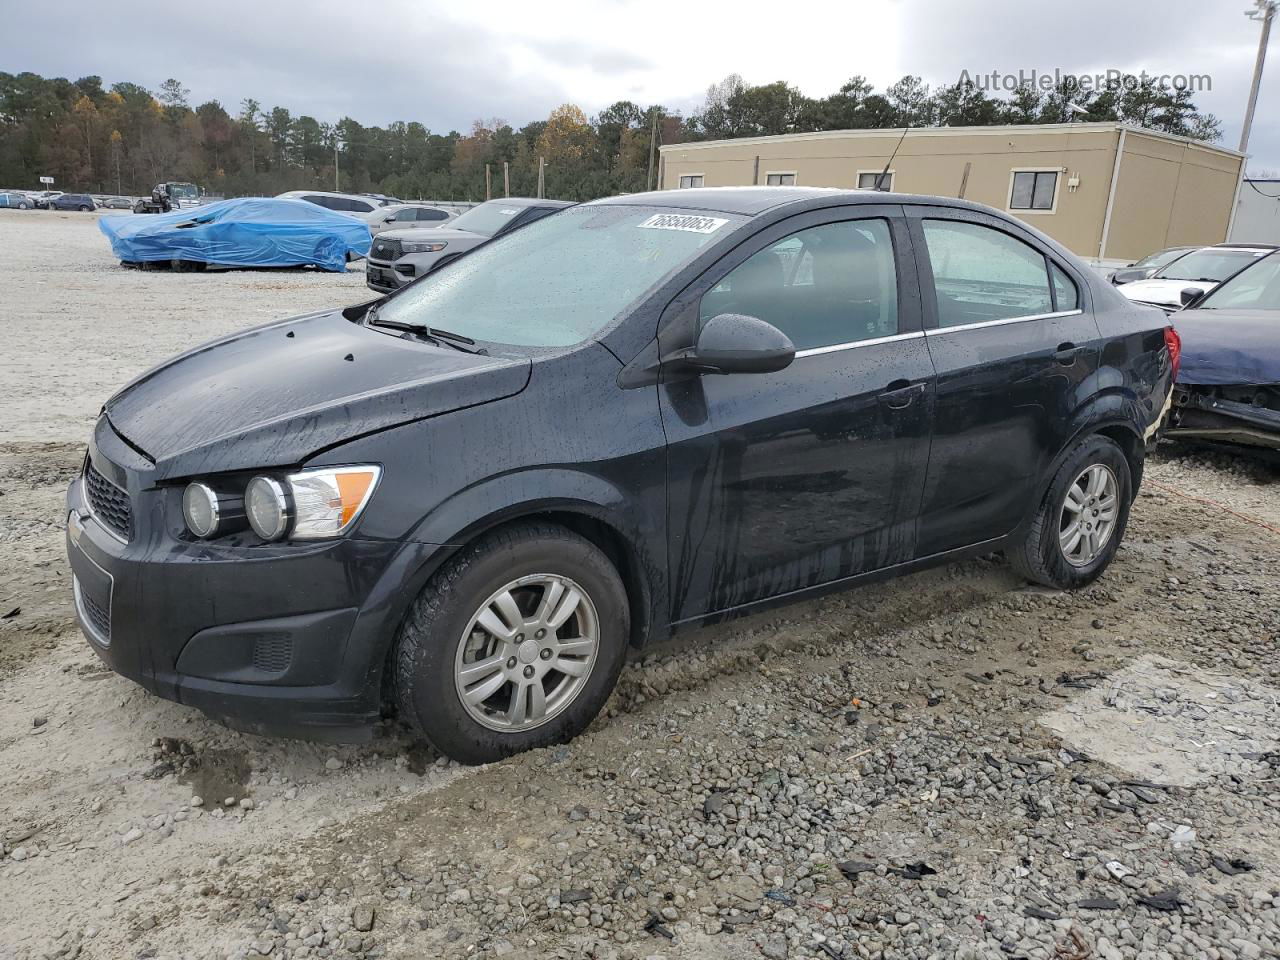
(515, 643)
(1081, 518)
(83, 209)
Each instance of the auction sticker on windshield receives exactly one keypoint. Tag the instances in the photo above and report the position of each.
(682, 221)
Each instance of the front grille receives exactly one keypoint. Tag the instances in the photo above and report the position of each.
(273, 654)
(108, 503)
(95, 614)
(385, 250)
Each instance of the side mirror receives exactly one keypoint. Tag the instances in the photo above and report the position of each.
(388, 218)
(736, 343)
(1189, 295)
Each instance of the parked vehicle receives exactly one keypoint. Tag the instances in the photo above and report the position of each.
(244, 232)
(635, 416)
(168, 196)
(1179, 283)
(352, 204)
(1228, 387)
(43, 198)
(398, 257)
(409, 216)
(73, 201)
(116, 203)
(16, 201)
(1148, 265)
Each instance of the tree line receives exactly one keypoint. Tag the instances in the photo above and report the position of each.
(125, 138)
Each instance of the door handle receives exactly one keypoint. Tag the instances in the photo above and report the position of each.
(900, 394)
(1066, 354)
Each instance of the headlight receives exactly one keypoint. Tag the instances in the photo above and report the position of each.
(209, 512)
(414, 246)
(310, 505)
(267, 505)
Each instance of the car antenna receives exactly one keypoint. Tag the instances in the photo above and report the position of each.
(888, 163)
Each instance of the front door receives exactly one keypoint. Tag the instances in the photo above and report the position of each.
(1016, 350)
(779, 482)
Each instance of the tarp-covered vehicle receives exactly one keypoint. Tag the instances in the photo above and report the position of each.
(1228, 387)
(245, 232)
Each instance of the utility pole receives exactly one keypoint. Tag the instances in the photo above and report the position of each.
(335, 164)
(653, 141)
(542, 176)
(506, 178)
(1265, 12)
(488, 183)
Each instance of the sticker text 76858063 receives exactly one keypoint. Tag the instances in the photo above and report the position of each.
(690, 223)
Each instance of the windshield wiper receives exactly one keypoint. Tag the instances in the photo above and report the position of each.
(440, 337)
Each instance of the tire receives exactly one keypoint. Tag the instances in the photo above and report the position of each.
(440, 636)
(22, 206)
(1040, 556)
(83, 209)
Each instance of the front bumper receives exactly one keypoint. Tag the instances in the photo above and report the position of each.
(284, 639)
(1202, 414)
(387, 276)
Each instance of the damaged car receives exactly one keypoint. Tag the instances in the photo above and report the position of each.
(465, 502)
(1228, 388)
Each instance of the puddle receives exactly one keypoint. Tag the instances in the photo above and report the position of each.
(219, 774)
(1172, 722)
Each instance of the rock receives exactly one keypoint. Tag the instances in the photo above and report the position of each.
(197, 801)
(461, 895)
(333, 763)
(131, 836)
(362, 918)
(775, 947)
(527, 881)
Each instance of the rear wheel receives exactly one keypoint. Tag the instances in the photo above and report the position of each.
(1081, 518)
(516, 643)
(83, 209)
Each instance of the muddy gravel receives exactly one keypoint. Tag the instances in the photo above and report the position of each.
(951, 765)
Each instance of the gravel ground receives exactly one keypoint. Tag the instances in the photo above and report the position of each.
(950, 765)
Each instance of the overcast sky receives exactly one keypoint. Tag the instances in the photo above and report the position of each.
(448, 64)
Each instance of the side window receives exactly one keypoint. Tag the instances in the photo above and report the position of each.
(359, 206)
(430, 213)
(981, 274)
(1066, 295)
(826, 285)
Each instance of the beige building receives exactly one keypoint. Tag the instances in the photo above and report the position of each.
(1109, 192)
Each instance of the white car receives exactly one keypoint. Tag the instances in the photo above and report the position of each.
(399, 216)
(1201, 270)
(368, 209)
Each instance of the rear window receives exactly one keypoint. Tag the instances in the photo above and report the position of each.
(1213, 264)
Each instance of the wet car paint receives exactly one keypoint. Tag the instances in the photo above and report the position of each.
(713, 494)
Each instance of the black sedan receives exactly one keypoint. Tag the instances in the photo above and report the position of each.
(635, 416)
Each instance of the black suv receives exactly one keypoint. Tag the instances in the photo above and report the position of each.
(470, 498)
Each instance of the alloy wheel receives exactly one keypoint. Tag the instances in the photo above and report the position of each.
(527, 653)
(1088, 517)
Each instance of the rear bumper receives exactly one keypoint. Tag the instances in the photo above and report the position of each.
(285, 642)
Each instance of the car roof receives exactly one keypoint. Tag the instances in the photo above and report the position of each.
(529, 202)
(1241, 246)
(751, 201)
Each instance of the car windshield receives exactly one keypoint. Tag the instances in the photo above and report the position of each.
(488, 218)
(558, 281)
(1212, 263)
(1160, 258)
(1257, 288)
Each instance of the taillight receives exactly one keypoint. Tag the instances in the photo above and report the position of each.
(1174, 343)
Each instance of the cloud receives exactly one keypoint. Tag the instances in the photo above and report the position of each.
(447, 64)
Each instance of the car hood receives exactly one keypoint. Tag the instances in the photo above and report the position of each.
(427, 234)
(1166, 292)
(1229, 346)
(275, 395)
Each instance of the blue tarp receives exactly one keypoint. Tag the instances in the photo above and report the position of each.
(246, 232)
(1221, 347)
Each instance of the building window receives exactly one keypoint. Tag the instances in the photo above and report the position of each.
(690, 180)
(780, 179)
(867, 180)
(1033, 189)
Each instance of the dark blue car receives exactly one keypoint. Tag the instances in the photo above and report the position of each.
(73, 201)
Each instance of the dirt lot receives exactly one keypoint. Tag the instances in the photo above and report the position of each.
(952, 765)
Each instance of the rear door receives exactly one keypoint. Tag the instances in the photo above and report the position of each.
(1016, 350)
(778, 482)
